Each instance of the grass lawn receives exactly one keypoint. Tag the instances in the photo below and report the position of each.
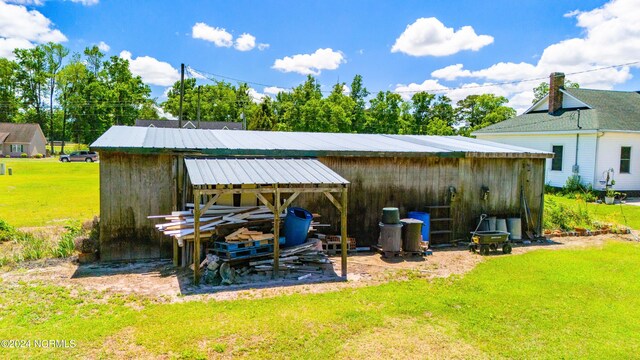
(47, 192)
(543, 304)
(603, 212)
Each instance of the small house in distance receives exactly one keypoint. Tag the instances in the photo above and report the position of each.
(143, 172)
(594, 134)
(191, 124)
(18, 139)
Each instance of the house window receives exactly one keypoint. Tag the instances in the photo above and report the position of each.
(625, 159)
(556, 162)
(17, 148)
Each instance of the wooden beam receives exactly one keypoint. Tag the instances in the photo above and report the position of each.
(333, 200)
(265, 202)
(276, 234)
(271, 189)
(209, 203)
(196, 242)
(290, 199)
(343, 231)
(175, 252)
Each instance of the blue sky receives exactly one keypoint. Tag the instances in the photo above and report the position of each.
(451, 47)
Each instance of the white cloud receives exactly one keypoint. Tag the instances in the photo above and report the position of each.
(151, 70)
(431, 86)
(310, 64)
(103, 46)
(245, 42)
(256, 96)
(22, 28)
(610, 37)
(273, 90)
(263, 46)
(219, 36)
(430, 37)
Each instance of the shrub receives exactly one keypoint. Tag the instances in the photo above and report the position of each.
(24, 155)
(573, 185)
(559, 216)
(7, 156)
(38, 156)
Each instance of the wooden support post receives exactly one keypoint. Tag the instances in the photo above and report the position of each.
(196, 238)
(343, 231)
(276, 233)
(333, 200)
(175, 251)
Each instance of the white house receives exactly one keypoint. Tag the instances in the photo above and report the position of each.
(593, 133)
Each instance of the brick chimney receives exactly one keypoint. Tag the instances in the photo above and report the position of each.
(556, 82)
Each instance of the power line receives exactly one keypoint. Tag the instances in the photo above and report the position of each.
(212, 77)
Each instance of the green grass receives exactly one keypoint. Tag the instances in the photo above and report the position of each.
(603, 212)
(543, 304)
(45, 192)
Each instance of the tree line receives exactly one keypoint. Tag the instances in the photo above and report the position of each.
(78, 97)
(72, 97)
(343, 109)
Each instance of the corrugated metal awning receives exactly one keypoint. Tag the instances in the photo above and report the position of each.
(261, 172)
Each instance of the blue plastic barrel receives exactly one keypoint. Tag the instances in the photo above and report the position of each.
(425, 217)
(296, 226)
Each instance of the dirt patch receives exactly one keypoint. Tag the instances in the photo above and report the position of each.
(161, 281)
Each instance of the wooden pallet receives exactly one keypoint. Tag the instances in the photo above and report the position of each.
(245, 252)
(225, 246)
(386, 254)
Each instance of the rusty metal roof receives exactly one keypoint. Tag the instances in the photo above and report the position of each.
(261, 172)
(299, 144)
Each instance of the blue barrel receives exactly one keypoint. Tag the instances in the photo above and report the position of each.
(425, 217)
(296, 226)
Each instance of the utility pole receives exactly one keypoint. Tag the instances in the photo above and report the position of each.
(199, 87)
(181, 95)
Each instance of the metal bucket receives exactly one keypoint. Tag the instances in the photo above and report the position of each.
(412, 236)
(390, 237)
(492, 223)
(390, 215)
(514, 227)
(426, 222)
(501, 225)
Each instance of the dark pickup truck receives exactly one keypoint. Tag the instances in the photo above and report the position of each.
(87, 156)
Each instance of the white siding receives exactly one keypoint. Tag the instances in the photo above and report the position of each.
(586, 153)
(609, 157)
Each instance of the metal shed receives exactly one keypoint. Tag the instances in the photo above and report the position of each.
(142, 172)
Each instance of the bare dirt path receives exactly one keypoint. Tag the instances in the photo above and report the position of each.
(161, 281)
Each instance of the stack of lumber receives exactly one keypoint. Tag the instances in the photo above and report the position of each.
(181, 223)
(244, 234)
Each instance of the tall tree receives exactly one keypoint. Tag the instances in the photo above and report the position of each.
(54, 54)
(358, 94)
(542, 90)
(477, 111)
(32, 79)
(9, 101)
(73, 82)
(385, 114)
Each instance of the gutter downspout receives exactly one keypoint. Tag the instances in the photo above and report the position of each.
(576, 168)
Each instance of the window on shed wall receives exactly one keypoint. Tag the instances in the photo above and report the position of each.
(556, 162)
(625, 159)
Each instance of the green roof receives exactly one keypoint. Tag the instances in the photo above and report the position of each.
(608, 110)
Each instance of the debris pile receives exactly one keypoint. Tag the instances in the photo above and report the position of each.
(307, 258)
